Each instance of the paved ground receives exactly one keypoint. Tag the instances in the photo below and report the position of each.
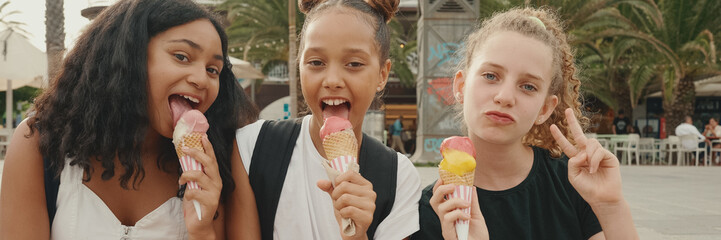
(667, 203)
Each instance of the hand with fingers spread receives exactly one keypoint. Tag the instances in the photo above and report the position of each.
(449, 211)
(353, 197)
(592, 170)
(208, 194)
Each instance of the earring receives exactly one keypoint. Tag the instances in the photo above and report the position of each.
(459, 96)
(378, 89)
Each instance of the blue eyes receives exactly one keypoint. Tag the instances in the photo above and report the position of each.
(489, 76)
(528, 87)
(493, 78)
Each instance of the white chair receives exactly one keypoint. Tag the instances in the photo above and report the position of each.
(602, 141)
(630, 145)
(714, 151)
(668, 147)
(697, 149)
(647, 146)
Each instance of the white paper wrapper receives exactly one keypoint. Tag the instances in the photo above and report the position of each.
(464, 192)
(188, 163)
(334, 168)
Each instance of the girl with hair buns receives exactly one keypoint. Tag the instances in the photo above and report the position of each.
(344, 64)
(95, 160)
(518, 91)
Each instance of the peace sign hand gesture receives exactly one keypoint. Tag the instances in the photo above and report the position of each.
(592, 170)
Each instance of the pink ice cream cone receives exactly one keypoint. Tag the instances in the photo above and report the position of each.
(341, 150)
(189, 131)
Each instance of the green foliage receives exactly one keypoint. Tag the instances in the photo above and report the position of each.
(258, 30)
(403, 46)
(20, 95)
(5, 21)
(259, 33)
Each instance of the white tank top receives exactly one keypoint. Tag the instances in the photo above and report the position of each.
(83, 215)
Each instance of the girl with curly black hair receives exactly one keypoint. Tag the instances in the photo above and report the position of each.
(104, 125)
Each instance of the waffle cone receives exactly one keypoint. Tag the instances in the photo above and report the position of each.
(452, 178)
(191, 140)
(341, 143)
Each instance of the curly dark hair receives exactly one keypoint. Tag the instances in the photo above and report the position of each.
(96, 107)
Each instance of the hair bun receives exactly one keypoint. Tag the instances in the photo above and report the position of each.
(306, 5)
(387, 8)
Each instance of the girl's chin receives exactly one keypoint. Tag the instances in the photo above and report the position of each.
(495, 137)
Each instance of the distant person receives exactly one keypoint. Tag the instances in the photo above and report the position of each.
(619, 123)
(648, 131)
(632, 129)
(396, 131)
(687, 128)
(712, 129)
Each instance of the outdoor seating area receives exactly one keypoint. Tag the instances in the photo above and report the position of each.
(632, 149)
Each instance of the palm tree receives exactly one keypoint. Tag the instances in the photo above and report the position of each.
(259, 30)
(5, 19)
(54, 35)
(402, 52)
(688, 29)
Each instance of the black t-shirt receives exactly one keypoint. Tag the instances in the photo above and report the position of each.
(621, 124)
(544, 206)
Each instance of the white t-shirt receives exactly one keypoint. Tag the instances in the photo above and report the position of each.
(306, 212)
(688, 129)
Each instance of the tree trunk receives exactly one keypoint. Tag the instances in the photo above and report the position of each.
(685, 98)
(621, 92)
(292, 65)
(54, 36)
(623, 95)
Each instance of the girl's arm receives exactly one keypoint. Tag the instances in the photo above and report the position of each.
(615, 220)
(241, 220)
(23, 213)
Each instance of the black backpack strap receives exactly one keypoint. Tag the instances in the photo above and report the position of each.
(268, 168)
(52, 184)
(379, 165)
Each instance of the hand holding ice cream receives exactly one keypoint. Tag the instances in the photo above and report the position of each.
(341, 150)
(189, 130)
(457, 167)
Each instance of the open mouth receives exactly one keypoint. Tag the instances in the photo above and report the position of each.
(335, 107)
(180, 104)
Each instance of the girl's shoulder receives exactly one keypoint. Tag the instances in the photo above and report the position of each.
(549, 164)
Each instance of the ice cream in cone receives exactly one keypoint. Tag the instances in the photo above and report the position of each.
(189, 131)
(457, 167)
(341, 150)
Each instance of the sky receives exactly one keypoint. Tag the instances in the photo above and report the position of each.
(32, 13)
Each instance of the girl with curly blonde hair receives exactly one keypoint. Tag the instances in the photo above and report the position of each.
(518, 91)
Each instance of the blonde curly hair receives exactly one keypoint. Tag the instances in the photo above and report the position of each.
(565, 84)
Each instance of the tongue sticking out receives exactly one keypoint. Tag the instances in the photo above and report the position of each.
(340, 111)
(178, 106)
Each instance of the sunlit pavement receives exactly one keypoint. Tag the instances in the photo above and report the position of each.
(667, 202)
